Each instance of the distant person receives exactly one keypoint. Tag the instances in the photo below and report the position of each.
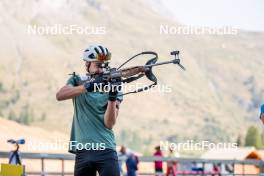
(132, 165)
(95, 114)
(261, 116)
(171, 165)
(216, 169)
(122, 156)
(158, 164)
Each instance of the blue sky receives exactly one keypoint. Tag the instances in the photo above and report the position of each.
(242, 14)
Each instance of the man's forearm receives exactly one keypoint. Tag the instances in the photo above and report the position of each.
(68, 92)
(110, 114)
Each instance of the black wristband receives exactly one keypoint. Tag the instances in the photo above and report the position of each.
(112, 98)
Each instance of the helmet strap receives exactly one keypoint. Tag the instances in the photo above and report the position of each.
(89, 65)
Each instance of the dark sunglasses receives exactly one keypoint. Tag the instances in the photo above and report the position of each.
(102, 64)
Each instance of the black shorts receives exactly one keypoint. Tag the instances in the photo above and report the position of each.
(105, 162)
(158, 170)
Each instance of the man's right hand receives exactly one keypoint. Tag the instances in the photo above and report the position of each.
(97, 83)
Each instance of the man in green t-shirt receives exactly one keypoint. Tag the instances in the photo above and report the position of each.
(95, 113)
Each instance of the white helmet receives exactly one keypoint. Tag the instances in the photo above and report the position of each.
(96, 53)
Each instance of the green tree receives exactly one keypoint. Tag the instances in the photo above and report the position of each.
(12, 115)
(131, 139)
(136, 141)
(1, 87)
(239, 141)
(123, 135)
(262, 138)
(43, 116)
(26, 115)
(253, 137)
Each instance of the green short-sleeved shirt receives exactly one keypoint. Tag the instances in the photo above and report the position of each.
(88, 129)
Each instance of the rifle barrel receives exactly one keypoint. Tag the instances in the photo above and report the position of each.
(174, 61)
